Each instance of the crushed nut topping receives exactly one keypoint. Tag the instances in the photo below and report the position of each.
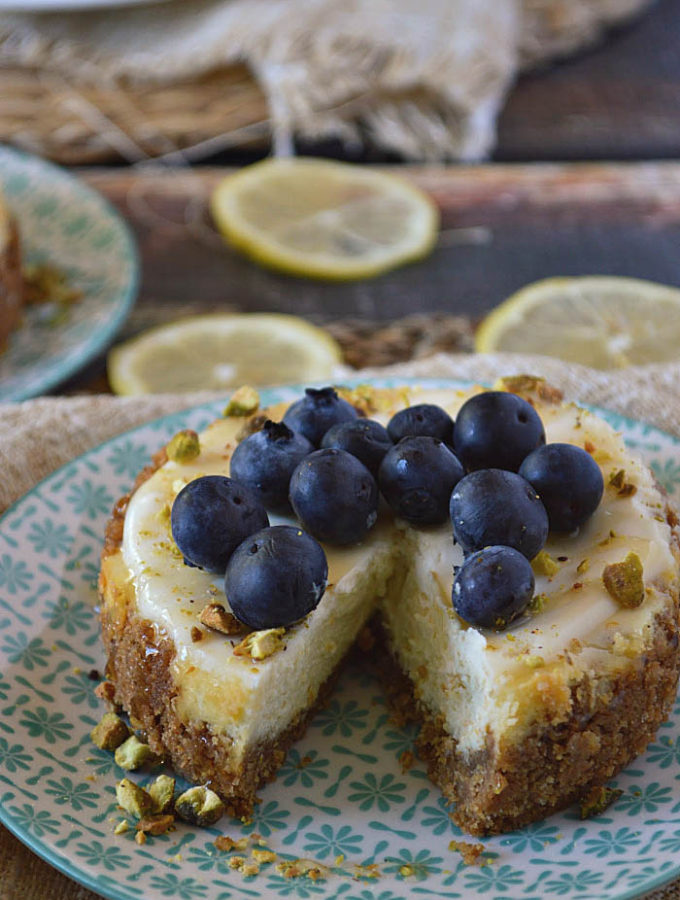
(184, 446)
(243, 402)
(617, 480)
(199, 806)
(597, 800)
(215, 616)
(156, 824)
(624, 581)
(110, 733)
(261, 644)
(250, 426)
(544, 564)
(528, 386)
(162, 792)
(264, 856)
(536, 605)
(132, 754)
(133, 799)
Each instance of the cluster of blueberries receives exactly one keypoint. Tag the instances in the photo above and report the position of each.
(516, 489)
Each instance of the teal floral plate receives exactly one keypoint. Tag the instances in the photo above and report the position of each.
(66, 223)
(342, 791)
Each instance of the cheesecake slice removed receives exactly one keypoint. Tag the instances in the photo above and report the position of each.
(515, 723)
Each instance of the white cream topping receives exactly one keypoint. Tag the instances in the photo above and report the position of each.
(469, 676)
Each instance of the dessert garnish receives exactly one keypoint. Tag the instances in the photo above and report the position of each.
(493, 506)
(597, 800)
(334, 496)
(496, 430)
(199, 806)
(276, 577)
(265, 461)
(211, 516)
(624, 582)
(133, 753)
(416, 478)
(184, 446)
(243, 402)
(422, 419)
(492, 587)
(110, 733)
(569, 482)
(366, 439)
(316, 412)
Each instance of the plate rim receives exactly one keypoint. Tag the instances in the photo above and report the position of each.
(81, 876)
(55, 375)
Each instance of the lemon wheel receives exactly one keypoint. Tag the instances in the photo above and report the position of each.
(600, 321)
(223, 351)
(324, 219)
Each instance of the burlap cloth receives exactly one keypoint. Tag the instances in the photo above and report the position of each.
(38, 436)
(425, 78)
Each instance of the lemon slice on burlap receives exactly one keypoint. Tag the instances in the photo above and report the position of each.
(324, 219)
(213, 352)
(598, 320)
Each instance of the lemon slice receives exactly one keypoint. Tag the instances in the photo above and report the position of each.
(213, 352)
(324, 219)
(598, 321)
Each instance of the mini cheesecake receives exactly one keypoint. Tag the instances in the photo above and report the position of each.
(11, 280)
(515, 724)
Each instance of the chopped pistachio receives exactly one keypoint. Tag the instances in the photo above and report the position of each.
(597, 800)
(617, 480)
(156, 824)
(243, 402)
(121, 827)
(406, 871)
(544, 564)
(184, 446)
(199, 806)
(133, 799)
(264, 856)
(536, 605)
(162, 793)
(583, 566)
(261, 644)
(250, 426)
(110, 733)
(529, 385)
(140, 838)
(624, 582)
(215, 616)
(132, 754)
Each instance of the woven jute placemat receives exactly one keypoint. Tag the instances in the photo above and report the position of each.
(184, 79)
(38, 436)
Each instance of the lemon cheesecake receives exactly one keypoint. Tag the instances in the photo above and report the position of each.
(11, 282)
(516, 723)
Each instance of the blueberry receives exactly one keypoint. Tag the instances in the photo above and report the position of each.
(276, 577)
(416, 478)
(211, 516)
(569, 482)
(334, 496)
(265, 461)
(496, 430)
(363, 438)
(493, 587)
(318, 411)
(493, 506)
(422, 419)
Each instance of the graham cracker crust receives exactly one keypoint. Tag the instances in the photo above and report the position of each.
(11, 285)
(140, 667)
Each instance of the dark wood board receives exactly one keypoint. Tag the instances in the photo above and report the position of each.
(618, 100)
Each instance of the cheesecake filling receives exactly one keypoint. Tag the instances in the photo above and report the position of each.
(480, 682)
